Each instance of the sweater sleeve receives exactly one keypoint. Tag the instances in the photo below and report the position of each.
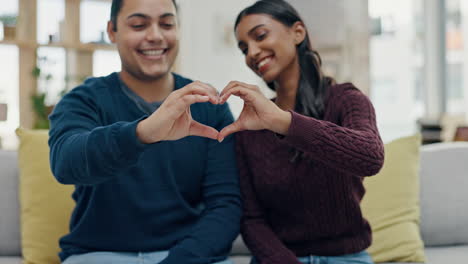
(211, 238)
(256, 232)
(354, 146)
(83, 151)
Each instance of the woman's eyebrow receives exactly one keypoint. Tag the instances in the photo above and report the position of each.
(254, 28)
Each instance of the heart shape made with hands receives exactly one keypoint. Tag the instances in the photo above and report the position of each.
(258, 112)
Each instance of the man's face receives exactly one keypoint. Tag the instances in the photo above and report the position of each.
(146, 37)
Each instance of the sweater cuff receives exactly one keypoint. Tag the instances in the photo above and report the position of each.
(129, 143)
(300, 126)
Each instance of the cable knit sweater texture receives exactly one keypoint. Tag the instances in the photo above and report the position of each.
(310, 206)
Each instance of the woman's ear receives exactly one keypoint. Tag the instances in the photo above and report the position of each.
(299, 31)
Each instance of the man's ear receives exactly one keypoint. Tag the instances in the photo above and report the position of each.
(110, 31)
(299, 32)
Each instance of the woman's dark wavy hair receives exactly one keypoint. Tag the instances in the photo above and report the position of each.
(313, 84)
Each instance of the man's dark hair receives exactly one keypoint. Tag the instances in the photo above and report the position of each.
(115, 9)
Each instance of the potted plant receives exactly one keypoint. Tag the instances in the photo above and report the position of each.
(9, 25)
(38, 101)
(41, 107)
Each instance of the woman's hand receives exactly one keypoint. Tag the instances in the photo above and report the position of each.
(258, 113)
(173, 119)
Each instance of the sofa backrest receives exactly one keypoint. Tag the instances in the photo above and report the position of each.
(444, 193)
(9, 206)
(444, 198)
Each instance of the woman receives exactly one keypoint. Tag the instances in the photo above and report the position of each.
(303, 161)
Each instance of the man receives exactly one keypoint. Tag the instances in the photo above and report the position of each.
(152, 184)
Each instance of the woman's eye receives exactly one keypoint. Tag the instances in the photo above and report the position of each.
(261, 37)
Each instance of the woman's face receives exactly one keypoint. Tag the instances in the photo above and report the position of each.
(268, 45)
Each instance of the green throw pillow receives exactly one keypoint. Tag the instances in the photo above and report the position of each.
(45, 204)
(391, 204)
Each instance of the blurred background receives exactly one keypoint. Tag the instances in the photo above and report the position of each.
(408, 56)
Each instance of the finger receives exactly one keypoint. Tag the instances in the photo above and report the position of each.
(197, 129)
(194, 89)
(190, 89)
(244, 93)
(228, 130)
(190, 99)
(249, 86)
(229, 86)
(200, 87)
(233, 84)
(211, 90)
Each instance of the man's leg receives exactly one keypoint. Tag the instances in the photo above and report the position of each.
(156, 257)
(103, 257)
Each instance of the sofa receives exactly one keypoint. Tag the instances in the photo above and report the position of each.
(444, 206)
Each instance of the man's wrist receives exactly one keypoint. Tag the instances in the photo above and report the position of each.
(144, 134)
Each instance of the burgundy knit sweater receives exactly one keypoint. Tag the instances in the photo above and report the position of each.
(310, 206)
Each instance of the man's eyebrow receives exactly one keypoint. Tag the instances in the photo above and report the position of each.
(138, 15)
(167, 15)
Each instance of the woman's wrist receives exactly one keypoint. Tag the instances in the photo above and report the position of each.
(282, 123)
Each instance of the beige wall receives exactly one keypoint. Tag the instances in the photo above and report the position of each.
(340, 32)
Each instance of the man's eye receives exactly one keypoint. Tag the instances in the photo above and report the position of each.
(138, 26)
(167, 25)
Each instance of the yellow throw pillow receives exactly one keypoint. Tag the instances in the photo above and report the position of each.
(45, 204)
(391, 204)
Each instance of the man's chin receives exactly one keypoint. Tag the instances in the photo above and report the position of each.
(153, 76)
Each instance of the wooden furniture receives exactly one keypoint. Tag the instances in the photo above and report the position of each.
(79, 56)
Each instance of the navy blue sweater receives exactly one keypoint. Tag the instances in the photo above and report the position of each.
(182, 196)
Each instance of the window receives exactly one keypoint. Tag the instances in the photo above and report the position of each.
(396, 63)
(93, 26)
(8, 10)
(9, 83)
(52, 78)
(456, 56)
(50, 25)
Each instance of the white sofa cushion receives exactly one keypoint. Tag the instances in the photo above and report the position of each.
(9, 206)
(447, 255)
(10, 260)
(444, 194)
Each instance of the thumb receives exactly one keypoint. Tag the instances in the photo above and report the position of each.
(197, 129)
(226, 131)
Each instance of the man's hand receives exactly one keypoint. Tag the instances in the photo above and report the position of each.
(173, 119)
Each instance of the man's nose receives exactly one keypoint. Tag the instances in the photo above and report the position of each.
(154, 33)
